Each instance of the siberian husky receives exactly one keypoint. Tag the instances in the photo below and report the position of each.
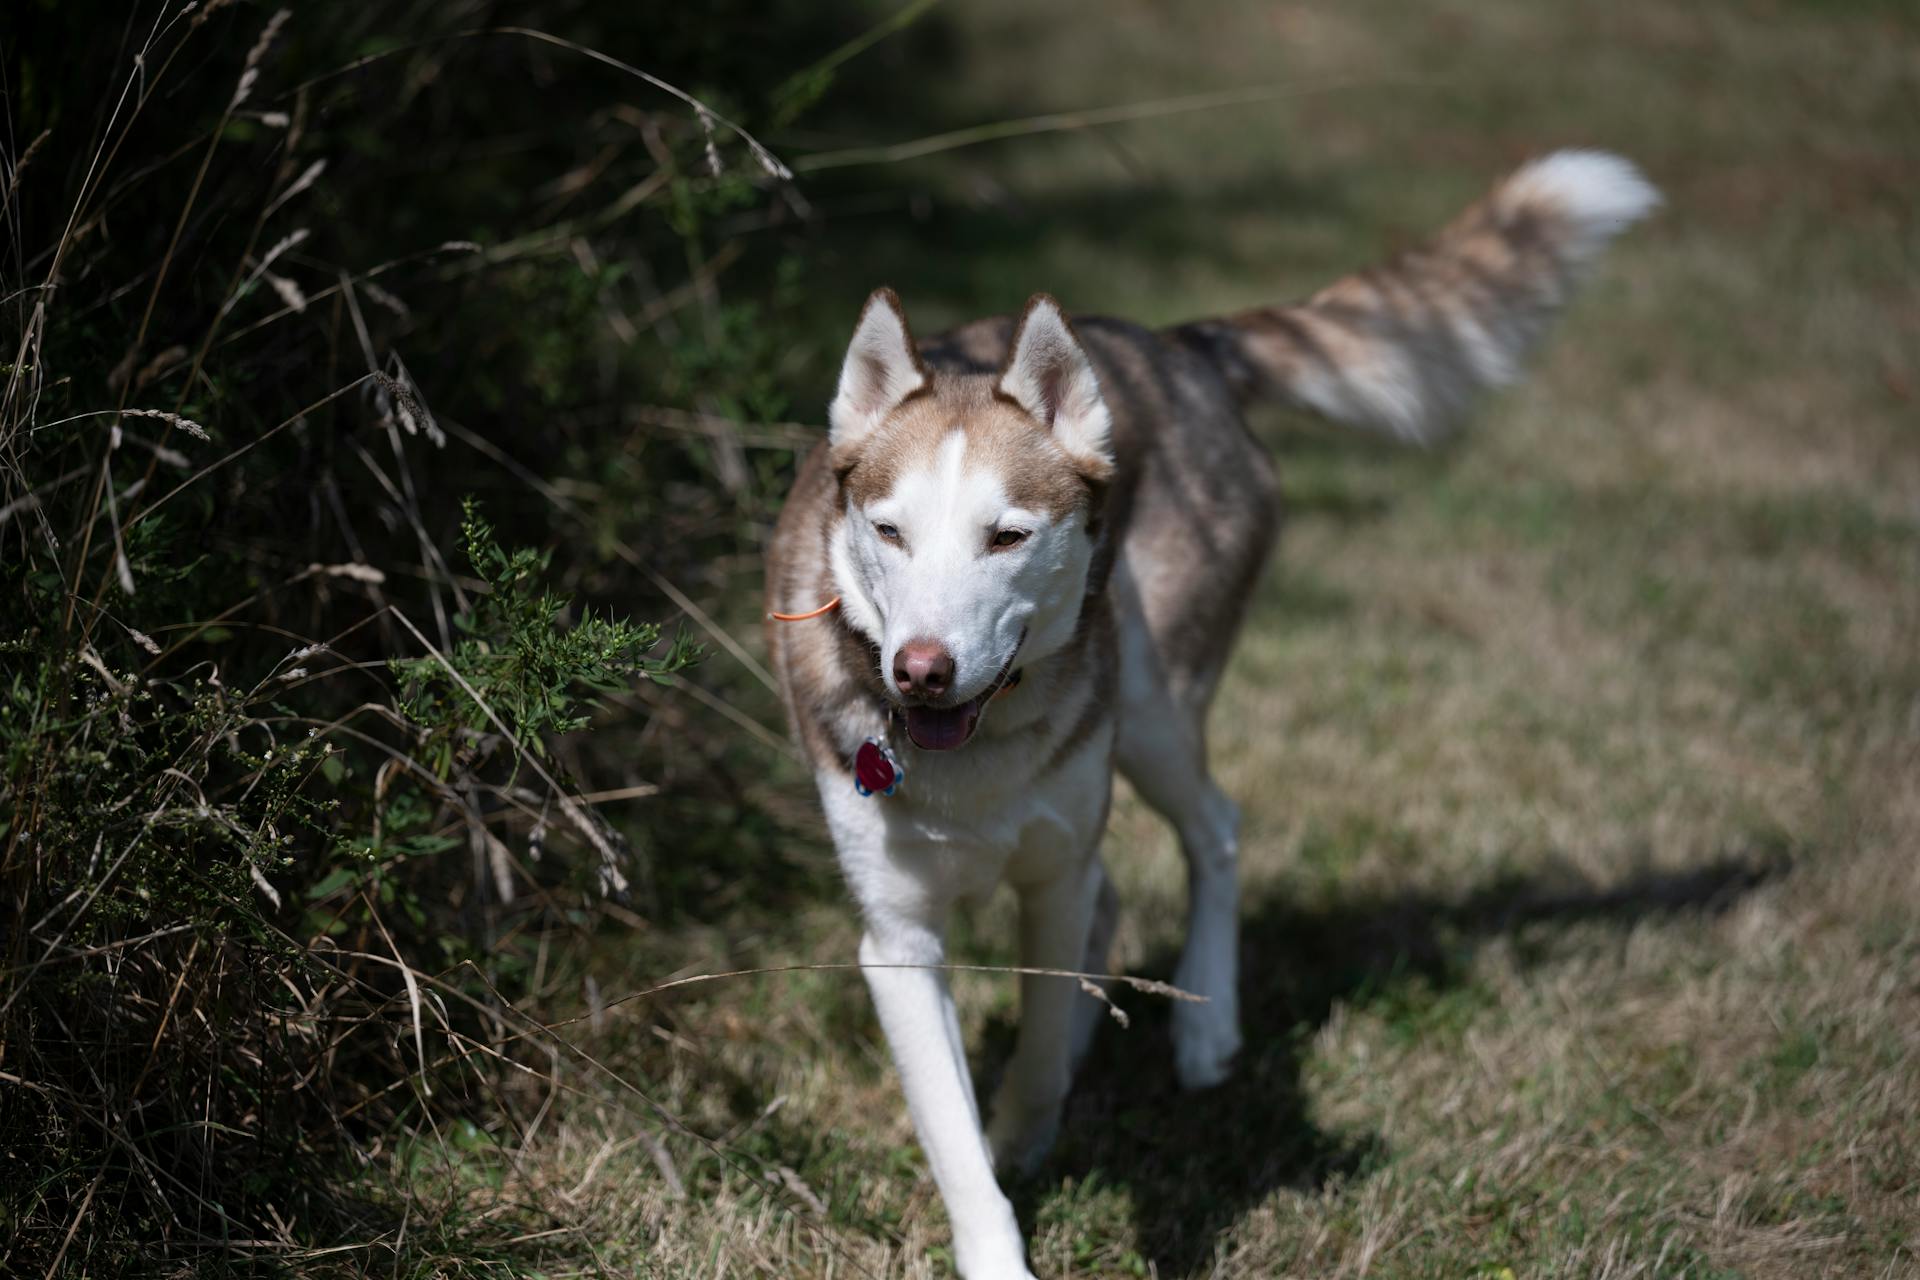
(1018, 561)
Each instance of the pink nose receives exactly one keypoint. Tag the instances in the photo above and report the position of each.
(923, 666)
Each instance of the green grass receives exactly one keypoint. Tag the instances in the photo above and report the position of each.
(1579, 759)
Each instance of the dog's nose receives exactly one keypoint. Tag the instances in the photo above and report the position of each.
(923, 666)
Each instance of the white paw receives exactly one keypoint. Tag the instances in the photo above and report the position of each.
(1012, 1271)
(991, 1261)
(1205, 1039)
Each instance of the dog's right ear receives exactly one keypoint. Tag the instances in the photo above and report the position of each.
(882, 369)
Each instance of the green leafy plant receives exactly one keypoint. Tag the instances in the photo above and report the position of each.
(517, 666)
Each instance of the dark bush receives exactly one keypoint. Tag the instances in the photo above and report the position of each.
(365, 367)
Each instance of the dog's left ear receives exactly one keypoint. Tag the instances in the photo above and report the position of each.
(1049, 375)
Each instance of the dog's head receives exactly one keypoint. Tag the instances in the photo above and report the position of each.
(968, 503)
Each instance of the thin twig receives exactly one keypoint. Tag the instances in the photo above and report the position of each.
(1065, 121)
(258, 440)
(767, 159)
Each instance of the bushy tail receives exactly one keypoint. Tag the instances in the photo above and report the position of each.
(1404, 348)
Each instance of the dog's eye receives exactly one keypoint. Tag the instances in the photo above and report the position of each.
(1009, 538)
(886, 531)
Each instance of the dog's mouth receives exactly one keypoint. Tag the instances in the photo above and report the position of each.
(943, 728)
(932, 728)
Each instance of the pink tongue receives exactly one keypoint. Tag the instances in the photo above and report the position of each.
(942, 728)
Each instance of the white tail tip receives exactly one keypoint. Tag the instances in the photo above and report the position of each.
(1599, 193)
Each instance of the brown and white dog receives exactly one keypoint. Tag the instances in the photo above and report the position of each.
(1042, 537)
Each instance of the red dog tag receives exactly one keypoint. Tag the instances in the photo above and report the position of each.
(874, 770)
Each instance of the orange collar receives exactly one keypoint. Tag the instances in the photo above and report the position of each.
(824, 609)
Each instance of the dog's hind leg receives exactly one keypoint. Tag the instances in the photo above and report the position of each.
(1162, 753)
(1098, 958)
(1055, 916)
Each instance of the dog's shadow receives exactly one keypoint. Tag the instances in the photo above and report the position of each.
(1192, 1164)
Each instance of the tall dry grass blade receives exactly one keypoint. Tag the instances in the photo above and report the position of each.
(187, 425)
(360, 279)
(18, 167)
(899, 20)
(738, 717)
(255, 443)
(1148, 986)
(413, 996)
(250, 71)
(99, 161)
(79, 1216)
(289, 241)
(1067, 121)
(766, 159)
(307, 178)
(146, 320)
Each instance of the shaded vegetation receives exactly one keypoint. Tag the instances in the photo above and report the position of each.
(292, 812)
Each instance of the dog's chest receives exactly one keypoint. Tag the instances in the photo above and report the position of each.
(957, 826)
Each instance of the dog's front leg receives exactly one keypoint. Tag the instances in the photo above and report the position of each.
(916, 1012)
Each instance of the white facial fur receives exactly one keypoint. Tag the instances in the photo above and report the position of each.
(943, 580)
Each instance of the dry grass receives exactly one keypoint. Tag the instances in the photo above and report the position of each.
(1579, 762)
